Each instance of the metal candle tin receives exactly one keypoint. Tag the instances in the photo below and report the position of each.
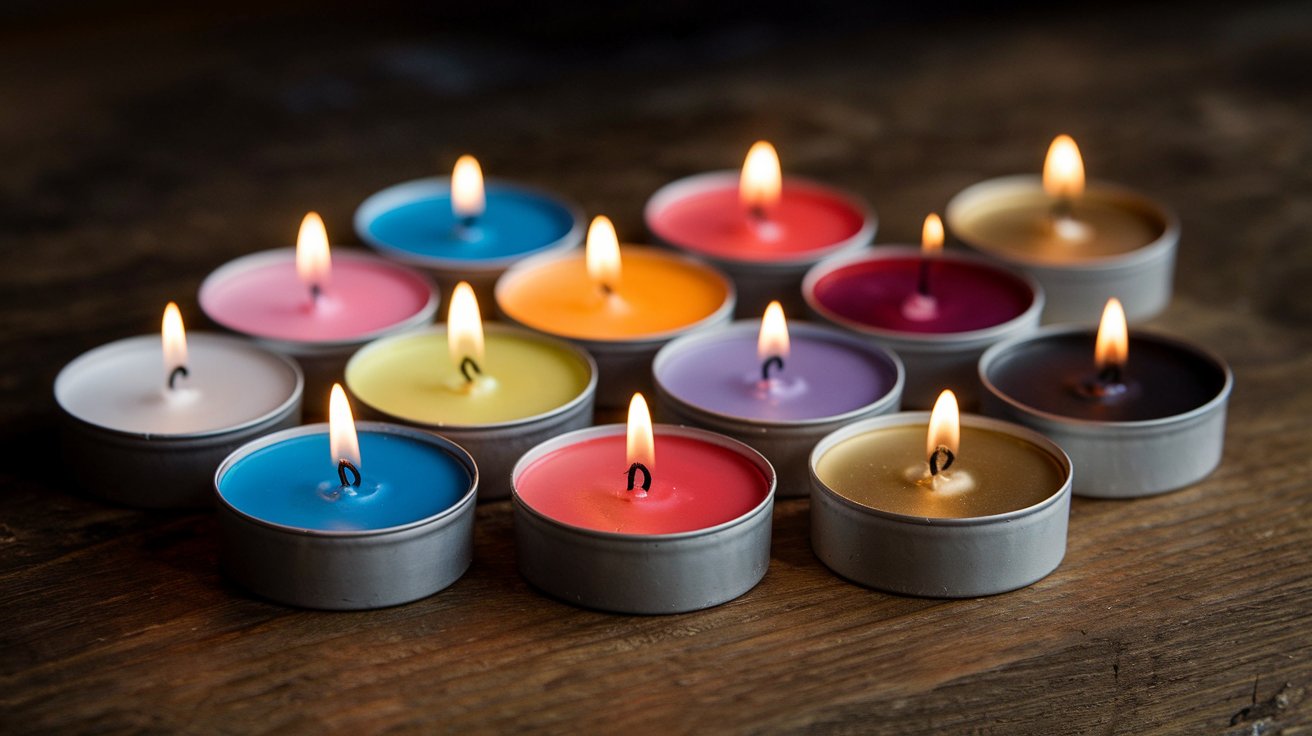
(787, 445)
(932, 557)
(933, 361)
(154, 471)
(497, 447)
(482, 274)
(1123, 459)
(347, 570)
(646, 574)
(760, 282)
(1077, 291)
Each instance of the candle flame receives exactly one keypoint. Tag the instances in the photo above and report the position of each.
(467, 198)
(174, 337)
(1063, 169)
(313, 262)
(464, 326)
(761, 180)
(640, 445)
(944, 425)
(1112, 347)
(773, 339)
(602, 254)
(931, 235)
(342, 440)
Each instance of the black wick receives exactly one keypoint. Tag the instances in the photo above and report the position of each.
(466, 364)
(757, 213)
(1110, 375)
(948, 459)
(605, 289)
(646, 476)
(344, 465)
(1063, 209)
(765, 367)
(173, 376)
(316, 291)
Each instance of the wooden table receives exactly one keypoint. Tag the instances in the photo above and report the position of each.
(141, 153)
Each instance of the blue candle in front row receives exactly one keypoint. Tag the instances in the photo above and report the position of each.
(294, 483)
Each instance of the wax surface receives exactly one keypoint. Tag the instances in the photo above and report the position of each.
(367, 295)
(289, 483)
(122, 386)
(712, 221)
(660, 293)
(515, 222)
(1009, 473)
(1020, 224)
(821, 378)
(1163, 379)
(695, 485)
(412, 377)
(967, 295)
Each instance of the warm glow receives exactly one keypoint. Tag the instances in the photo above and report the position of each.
(175, 340)
(1063, 169)
(464, 326)
(341, 428)
(313, 263)
(1113, 345)
(773, 340)
(640, 447)
(944, 425)
(761, 180)
(603, 254)
(467, 188)
(931, 235)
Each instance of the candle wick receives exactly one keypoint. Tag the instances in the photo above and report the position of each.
(344, 465)
(948, 458)
(607, 289)
(1063, 208)
(179, 372)
(467, 228)
(757, 214)
(774, 360)
(466, 365)
(316, 291)
(646, 476)
(1110, 375)
(922, 283)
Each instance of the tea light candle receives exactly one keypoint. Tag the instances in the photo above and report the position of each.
(1139, 413)
(776, 387)
(763, 230)
(316, 306)
(939, 505)
(938, 311)
(1084, 245)
(321, 516)
(495, 389)
(620, 304)
(464, 229)
(147, 419)
(643, 519)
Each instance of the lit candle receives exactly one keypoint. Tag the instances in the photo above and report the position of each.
(641, 519)
(1139, 413)
(496, 390)
(620, 303)
(339, 517)
(466, 229)
(939, 505)
(776, 386)
(1083, 243)
(937, 310)
(148, 432)
(316, 306)
(762, 229)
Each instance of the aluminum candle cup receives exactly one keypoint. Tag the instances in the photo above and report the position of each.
(283, 538)
(702, 215)
(978, 304)
(705, 545)
(1164, 432)
(830, 378)
(1005, 219)
(1012, 540)
(131, 440)
(414, 222)
(539, 388)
